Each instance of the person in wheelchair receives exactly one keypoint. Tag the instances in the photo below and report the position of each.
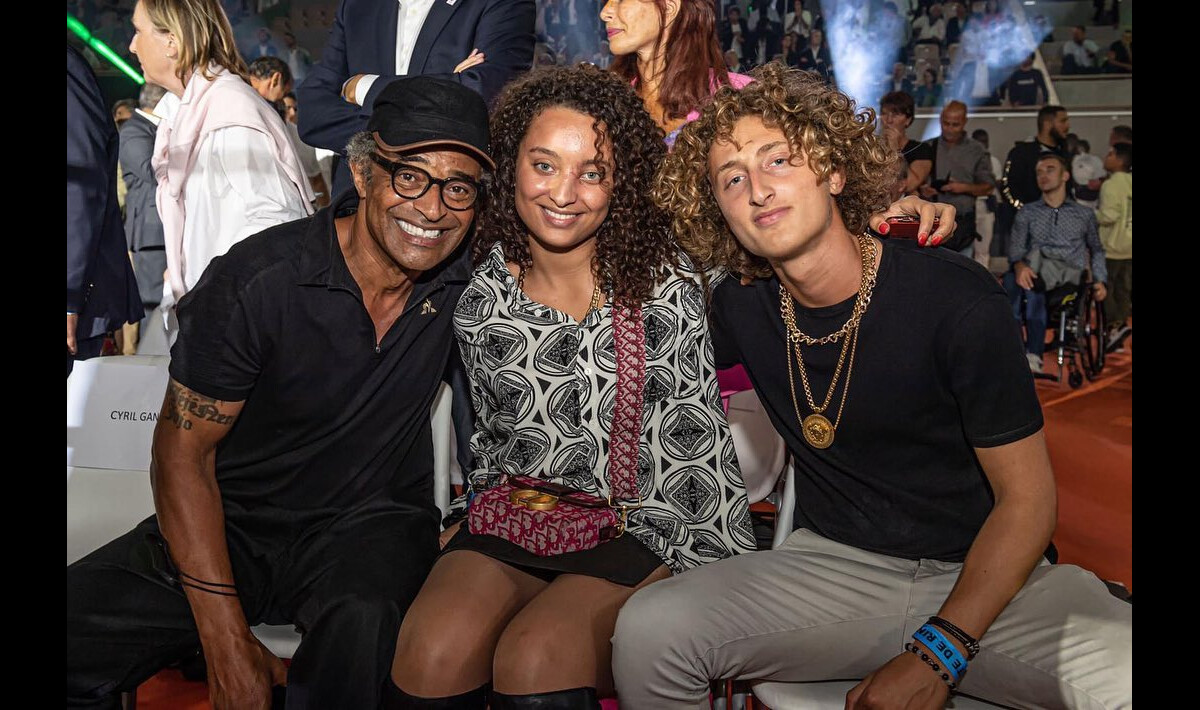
(1053, 241)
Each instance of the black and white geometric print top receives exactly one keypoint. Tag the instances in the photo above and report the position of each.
(543, 386)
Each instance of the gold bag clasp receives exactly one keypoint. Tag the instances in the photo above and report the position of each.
(533, 500)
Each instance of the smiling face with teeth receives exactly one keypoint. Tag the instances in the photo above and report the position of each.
(413, 235)
(563, 184)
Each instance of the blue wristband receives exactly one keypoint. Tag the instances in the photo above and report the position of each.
(941, 648)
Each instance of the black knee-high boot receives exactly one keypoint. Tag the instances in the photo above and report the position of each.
(396, 699)
(573, 699)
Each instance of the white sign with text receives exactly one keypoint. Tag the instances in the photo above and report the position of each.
(112, 407)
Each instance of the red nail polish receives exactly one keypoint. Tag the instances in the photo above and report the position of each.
(884, 228)
(922, 238)
(937, 240)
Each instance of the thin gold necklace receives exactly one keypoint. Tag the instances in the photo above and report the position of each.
(597, 293)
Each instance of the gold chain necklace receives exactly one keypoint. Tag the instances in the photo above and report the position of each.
(816, 428)
(866, 248)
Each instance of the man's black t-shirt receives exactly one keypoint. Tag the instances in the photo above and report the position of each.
(330, 422)
(917, 150)
(1023, 87)
(939, 369)
(1122, 55)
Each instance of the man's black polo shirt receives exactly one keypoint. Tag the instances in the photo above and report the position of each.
(330, 423)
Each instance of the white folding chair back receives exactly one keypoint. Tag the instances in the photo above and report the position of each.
(444, 449)
(786, 507)
(761, 452)
(102, 505)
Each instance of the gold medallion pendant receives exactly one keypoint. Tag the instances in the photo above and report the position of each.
(818, 432)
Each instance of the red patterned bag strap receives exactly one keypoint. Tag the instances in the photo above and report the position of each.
(629, 336)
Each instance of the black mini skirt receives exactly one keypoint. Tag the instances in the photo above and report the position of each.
(625, 560)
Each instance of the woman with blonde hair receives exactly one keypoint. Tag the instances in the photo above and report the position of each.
(225, 166)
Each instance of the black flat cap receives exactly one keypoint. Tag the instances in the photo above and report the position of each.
(420, 111)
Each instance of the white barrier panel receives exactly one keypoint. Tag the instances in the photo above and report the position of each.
(112, 407)
(102, 505)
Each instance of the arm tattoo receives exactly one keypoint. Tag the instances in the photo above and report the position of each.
(183, 406)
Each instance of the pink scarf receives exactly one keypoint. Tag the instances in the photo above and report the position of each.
(206, 106)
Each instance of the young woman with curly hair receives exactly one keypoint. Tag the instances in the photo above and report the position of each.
(569, 244)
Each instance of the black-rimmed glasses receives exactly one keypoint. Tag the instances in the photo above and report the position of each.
(411, 182)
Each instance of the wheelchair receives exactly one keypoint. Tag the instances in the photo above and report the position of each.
(1077, 320)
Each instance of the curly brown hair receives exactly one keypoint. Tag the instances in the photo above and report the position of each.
(820, 123)
(635, 247)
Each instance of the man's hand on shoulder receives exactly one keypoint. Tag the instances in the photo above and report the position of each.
(241, 673)
(903, 683)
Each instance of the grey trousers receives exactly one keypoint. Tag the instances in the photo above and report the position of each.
(815, 609)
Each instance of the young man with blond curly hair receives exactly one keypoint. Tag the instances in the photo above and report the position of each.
(896, 375)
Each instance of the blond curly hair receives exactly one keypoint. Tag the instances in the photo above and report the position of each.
(819, 122)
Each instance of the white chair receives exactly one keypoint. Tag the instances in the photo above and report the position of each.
(761, 452)
(763, 458)
(444, 448)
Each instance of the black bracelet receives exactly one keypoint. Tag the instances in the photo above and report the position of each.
(201, 581)
(170, 571)
(932, 664)
(961, 636)
(206, 589)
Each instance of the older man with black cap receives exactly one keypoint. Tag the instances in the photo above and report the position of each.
(292, 461)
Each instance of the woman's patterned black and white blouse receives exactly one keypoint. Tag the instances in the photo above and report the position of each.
(543, 386)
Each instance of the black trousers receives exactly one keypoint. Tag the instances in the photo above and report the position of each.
(1006, 214)
(345, 583)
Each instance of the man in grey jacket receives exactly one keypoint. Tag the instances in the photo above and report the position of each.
(143, 227)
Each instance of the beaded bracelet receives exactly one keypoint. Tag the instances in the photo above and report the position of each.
(909, 646)
(959, 635)
(946, 652)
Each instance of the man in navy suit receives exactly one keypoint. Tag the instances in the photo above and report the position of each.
(102, 294)
(373, 42)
